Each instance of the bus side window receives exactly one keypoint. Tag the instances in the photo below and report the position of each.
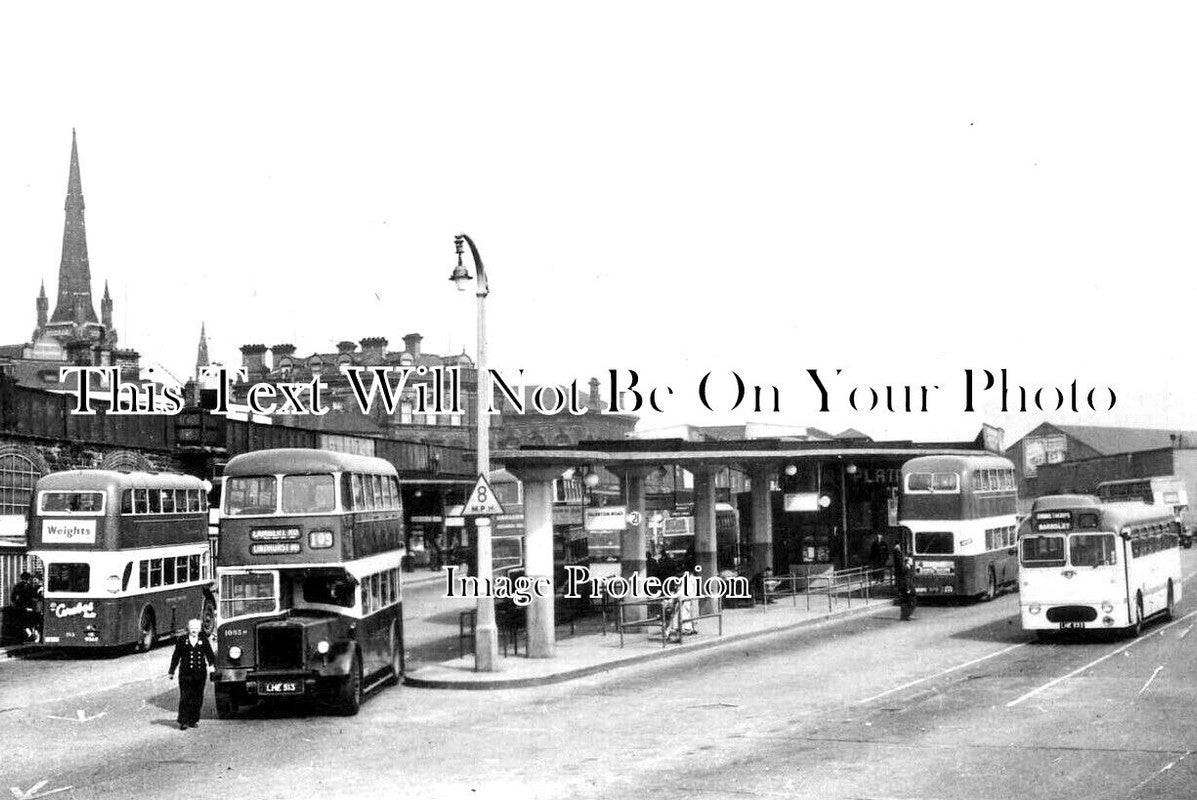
(359, 500)
(143, 575)
(376, 488)
(168, 501)
(376, 591)
(155, 572)
(155, 506)
(127, 501)
(395, 488)
(126, 576)
(364, 586)
(385, 588)
(193, 568)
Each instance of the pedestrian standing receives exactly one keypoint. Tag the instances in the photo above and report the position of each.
(194, 660)
(877, 558)
(25, 595)
(904, 581)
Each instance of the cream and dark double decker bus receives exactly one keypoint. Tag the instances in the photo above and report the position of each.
(311, 544)
(960, 511)
(126, 556)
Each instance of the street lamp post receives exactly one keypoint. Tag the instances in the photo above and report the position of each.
(486, 633)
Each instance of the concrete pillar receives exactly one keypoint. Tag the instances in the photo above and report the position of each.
(538, 556)
(761, 554)
(705, 547)
(633, 543)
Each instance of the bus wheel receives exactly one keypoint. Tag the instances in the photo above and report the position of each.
(1170, 611)
(147, 634)
(396, 654)
(1137, 628)
(991, 589)
(350, 700)
(208, 616)
(228, 701)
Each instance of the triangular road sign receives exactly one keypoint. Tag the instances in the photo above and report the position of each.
(482, 501)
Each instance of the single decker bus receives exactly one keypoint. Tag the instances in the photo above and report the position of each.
(125, 556)
(1093, 565)
(960, 514)
(311, 544)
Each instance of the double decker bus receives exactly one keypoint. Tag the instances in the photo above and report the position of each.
(1165, 491)
(311, 544)
(960, 514)
(1087, 564)
(125, 556)
(677, 537)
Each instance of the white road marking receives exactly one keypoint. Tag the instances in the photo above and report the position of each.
(1094, 662)
(1159, 772)
(33, 791)
(938, 674)
(1185, 632)
(80, 716)
(1152, 678)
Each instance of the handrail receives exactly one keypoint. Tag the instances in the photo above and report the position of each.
(831, 584)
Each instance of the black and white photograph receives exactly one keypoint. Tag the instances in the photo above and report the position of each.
(647, 400)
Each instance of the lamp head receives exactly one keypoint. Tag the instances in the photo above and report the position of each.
(591, 480)
(460, 273)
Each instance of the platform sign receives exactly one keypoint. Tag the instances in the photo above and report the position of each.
(482, 501)
(607, 518)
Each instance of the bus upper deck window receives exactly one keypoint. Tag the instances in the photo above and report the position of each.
(918, 482)
(72, 502)
(945, 482)
(1087, 521)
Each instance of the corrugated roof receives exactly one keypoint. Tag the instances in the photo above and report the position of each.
(1111, 441)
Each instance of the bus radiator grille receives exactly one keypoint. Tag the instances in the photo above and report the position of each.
(1071, 614)
(280, 648)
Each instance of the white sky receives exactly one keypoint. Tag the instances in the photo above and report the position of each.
(902, 190)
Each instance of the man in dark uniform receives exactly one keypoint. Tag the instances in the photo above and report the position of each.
(903, 581)
(25, 595)
(194, 659)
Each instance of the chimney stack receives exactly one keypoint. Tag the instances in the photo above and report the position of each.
(253, 357)
(411, 343)
(374, 347)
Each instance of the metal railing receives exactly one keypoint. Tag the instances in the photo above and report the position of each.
(833, 585)
(669, 618)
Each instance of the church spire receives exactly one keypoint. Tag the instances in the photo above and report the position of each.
(74, 272)
(43, 307)
(201, 353)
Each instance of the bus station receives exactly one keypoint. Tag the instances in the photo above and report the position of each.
(811, 507)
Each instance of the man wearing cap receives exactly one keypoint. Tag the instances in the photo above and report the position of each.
(194, 659)
(24, 599)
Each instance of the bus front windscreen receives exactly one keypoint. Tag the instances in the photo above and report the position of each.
(245, 593)
(1042, 551)
(1091, 550)
(933, 543)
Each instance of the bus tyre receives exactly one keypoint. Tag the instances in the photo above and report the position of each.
(147, 632)
(1170, 609)
(208, 615)
(350, 700)
(991, 588)
(396, 654)
(1136, 629)
(228, 701)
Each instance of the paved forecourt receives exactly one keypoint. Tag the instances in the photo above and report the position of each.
(598, 651)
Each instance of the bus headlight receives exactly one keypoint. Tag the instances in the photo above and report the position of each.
(1033, 608)
(113, 584)
(1107, 606)
(322, 647)
(234, 652)
(320, 540)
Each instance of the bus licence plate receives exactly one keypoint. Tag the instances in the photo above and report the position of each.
(279, 687)
(1072, 624)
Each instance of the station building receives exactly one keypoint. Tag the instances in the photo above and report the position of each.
(810, 504)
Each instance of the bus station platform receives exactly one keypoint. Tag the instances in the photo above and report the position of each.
(591, 650)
